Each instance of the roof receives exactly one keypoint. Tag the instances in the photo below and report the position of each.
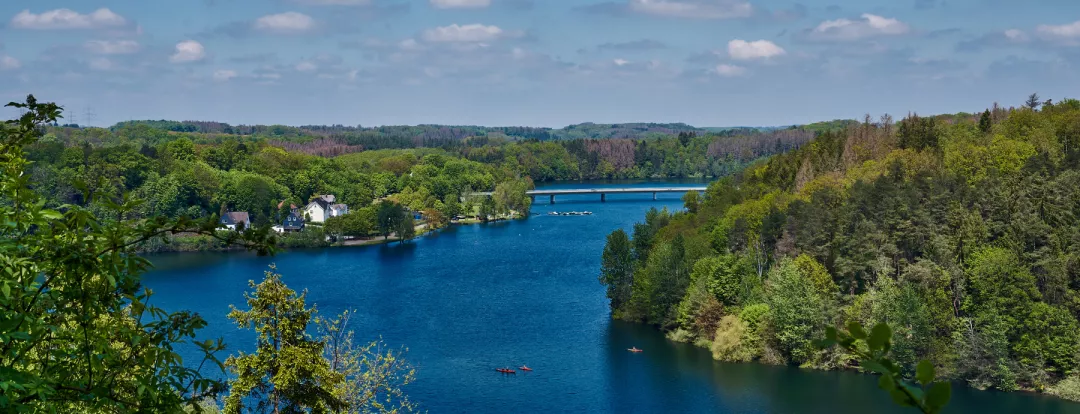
(339, 207)
(320, 202)
(236, 217)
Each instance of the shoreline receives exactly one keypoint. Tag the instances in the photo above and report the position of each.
(421, 231)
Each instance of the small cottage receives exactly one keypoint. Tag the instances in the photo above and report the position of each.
(323, 207)
(293, 222)
(234, 219)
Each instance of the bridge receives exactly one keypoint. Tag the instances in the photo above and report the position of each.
(605, 191)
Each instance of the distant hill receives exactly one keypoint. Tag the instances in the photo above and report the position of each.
(628, 130)
(419, 135)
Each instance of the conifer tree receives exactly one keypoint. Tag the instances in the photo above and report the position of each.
(984, 122)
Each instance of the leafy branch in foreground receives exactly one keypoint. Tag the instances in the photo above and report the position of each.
(872, 351)
(375, 376)
(77, 331)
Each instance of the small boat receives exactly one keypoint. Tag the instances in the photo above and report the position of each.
(634, 349)
(525, 368)
(505, 370)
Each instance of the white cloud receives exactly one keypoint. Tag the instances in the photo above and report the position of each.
(460, 4)
(620, 62)
(869, 25)
(288, 22)
(67, 19)
(110, 47)
(306, 66)
(694, 9)
(188, 51)
(729, 71)
(1066, 32)
(9, 63)
(410, 44)
(463, 34)
(222, 75)
(759, 49)
(468, 47)
(101, 64)
(1015, 35)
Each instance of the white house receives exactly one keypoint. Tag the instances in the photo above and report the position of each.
(235, 218)
(323, 207)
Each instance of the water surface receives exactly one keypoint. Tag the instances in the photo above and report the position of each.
(473, 298)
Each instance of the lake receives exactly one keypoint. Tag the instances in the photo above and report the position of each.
(473, 298)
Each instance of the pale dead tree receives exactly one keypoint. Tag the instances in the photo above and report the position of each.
(886, 123)
(804, 175)
(857, 142)
(999, 113)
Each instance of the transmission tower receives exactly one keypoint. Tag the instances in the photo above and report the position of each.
(91, 116)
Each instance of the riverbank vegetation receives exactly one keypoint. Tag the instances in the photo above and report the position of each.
(961, 232)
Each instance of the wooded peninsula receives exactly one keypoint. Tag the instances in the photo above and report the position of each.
(960, 232)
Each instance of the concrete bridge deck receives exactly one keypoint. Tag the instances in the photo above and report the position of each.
(605, 191)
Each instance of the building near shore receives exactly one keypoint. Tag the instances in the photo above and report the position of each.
(233, 220)
(322, 207)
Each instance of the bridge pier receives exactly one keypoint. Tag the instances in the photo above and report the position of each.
(603, 197)
(654, 196)
(553, 199)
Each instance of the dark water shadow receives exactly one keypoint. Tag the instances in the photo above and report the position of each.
(398, 250)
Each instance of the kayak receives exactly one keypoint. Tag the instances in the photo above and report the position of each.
(525, 368)
(505, 370)
(634, 349)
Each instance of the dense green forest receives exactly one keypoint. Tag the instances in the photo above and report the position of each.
(962, 232)
(410, 136)
(199, 169)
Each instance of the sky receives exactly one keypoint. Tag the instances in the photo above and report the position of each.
(533, 62)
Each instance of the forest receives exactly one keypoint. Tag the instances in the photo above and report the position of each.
(200, 169)
(961, 232)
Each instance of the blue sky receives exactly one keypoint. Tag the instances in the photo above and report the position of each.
(534, 62)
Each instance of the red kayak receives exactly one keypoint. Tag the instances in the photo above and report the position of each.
(634, 349)
(525, 368)
(505, 370)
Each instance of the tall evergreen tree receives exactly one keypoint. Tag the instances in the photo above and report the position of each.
(984, 122)
(1033, 101)
(617, 268)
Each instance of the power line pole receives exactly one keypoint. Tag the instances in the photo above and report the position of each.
(91, 116)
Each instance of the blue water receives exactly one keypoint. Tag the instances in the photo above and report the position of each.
(472, 298)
